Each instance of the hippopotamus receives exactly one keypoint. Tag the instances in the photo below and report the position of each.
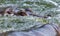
(29, 12)
(20, 13)
(9, 11)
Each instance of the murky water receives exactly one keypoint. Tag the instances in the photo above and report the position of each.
(39, 7)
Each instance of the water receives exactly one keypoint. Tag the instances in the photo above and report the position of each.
(39, 7)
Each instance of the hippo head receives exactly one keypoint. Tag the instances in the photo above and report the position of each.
(9, 10)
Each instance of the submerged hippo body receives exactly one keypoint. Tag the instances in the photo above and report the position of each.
(46, 30)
